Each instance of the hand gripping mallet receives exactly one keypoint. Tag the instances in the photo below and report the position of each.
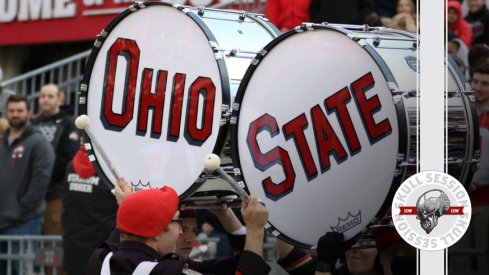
(212, 162)
(83, 123)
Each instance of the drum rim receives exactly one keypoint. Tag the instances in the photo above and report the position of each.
(100, 40)
(470, 111)
(403, 128)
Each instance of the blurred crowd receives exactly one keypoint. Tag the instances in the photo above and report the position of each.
(396, 14)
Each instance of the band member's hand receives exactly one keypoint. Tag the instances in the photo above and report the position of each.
(329, 247)
(122, 190)
(472, 187)
(255, 214)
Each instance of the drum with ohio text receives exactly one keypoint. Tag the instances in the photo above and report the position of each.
(158, 88)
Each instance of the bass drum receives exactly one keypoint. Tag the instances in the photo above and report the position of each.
(462, 129)
(321, 130)
(158, 88)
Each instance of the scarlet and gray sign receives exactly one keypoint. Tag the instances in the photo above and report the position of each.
(48, 21)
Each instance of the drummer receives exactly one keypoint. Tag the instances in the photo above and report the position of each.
(150, 227)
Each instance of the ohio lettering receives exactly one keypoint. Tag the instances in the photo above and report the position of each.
(197, 128)
(327, 141)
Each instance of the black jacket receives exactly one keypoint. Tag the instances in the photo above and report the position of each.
(61, 132)
(89, 212)
(479, 22)
(128, 254)
(340, 11)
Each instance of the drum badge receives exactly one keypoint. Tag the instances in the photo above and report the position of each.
(419, 205)
(140, 186)
(347, 223)
(412, 61)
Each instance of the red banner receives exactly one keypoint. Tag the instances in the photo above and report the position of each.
(48, 21)
(411, 210)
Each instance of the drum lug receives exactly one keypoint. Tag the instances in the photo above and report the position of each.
(83, 87)
(214, 46)
(88, 146)
(415, 46)
(222, 121)
(376, 42)
(393, 87)
(224, 108)
(100, 37)
(236, 106)
(242, 16)
(137, 6)
(233, 120)
(201, 10)
(307, 26)
(401, 157)
(97, 43)
(82, 100)
(396, 99)
(237, 172)
(233, 52)
(102, 34)
(357, 39)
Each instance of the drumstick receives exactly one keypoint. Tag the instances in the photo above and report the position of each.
(212, 162)
(82, 122)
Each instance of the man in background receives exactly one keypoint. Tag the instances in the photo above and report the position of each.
(59, 129)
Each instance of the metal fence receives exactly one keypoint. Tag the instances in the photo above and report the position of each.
(66, 73)
(31, 255)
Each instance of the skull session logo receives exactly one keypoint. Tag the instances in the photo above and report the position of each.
(429, 207)
(431, 210)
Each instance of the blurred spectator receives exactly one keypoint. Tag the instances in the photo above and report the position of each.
(457, 48)
(457, 24)
(478, 18)
(212, 227)
(479, 54)
(59, 129)
(89, 211)
(26, 162)
(406, 6)
(64, 106)
(340, 11)
(403, 21)
(477, 234)
(287, 14)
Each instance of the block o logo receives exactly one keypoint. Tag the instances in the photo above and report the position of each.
(431, 210)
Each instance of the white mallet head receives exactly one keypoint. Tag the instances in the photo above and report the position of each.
(212, 162)
(82, 122)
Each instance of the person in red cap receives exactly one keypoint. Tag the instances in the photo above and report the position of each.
(150, 229)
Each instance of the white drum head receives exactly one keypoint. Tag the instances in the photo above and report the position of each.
(164, 41)
(287, 92)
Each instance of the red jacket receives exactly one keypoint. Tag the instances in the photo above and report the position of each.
(287, 14)
(461, 28)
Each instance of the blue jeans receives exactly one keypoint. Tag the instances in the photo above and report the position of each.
(31, 227)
